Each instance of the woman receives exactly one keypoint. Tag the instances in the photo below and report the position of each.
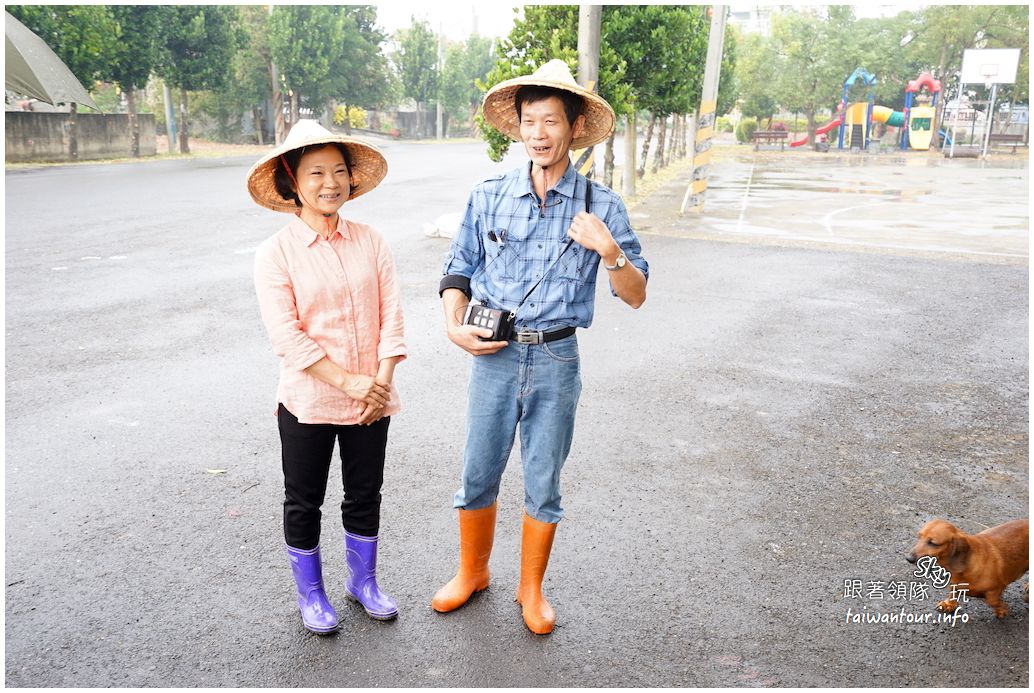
(329, 298)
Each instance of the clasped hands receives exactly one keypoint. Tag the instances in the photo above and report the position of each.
(372, 392)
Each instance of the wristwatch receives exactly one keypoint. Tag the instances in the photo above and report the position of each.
(618, 264)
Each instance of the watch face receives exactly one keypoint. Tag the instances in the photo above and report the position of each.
(621, 260)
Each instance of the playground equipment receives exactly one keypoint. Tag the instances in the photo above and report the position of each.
(917, 132)
(857, 117)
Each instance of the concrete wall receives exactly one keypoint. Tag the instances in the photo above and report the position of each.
(44, 136)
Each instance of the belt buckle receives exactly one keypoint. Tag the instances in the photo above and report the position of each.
(529, 337)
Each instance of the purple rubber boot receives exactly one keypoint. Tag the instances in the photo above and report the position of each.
(361, 556)
(317, 613)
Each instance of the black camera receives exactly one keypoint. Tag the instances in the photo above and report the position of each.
(499, 321)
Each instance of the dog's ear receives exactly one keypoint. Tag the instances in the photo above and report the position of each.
(959, 551)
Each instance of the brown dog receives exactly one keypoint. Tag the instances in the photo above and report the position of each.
(983, 563)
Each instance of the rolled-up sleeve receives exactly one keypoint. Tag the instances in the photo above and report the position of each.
(279, 309)
(392, 337)
(467, 250)
(621, 229)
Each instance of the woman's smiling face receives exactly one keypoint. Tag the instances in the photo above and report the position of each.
(323, 180)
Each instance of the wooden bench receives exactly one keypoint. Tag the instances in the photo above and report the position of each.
(770, 137)
(1006, 139)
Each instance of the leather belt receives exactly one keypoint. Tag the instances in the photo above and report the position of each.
(536, 337)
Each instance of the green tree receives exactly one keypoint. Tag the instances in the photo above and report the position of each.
(664, 50)
(304, 41)
(944, 32)
(135, 55)
(812, 58)
(197, 44)
(252, 69)
(465, 64)
(416, 59)
(756, 73)
(728, 85)
(548, 32)
(359, 72)
(83, 36)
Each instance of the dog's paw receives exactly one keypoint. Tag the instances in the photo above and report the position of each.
(948, 605)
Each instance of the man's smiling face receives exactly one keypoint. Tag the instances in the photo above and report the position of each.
(545, 131)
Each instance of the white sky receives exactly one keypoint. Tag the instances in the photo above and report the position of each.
(495, 19)
(454, 19)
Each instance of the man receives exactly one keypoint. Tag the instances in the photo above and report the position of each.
(509, 254)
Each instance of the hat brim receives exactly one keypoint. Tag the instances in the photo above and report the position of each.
(367, 171)
(500, 110)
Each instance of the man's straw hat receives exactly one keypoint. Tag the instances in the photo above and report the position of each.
(501, 112)
(367, 170)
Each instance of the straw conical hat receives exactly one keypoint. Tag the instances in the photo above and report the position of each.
(367, 170)
(501, 112)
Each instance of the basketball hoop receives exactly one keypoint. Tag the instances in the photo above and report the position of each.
(989, 71)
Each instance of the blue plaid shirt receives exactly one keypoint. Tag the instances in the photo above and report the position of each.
(505, 243)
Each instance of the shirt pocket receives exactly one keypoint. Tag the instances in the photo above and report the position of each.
(500, 257)
(574, 265)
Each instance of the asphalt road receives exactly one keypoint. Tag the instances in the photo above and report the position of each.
(776, 420)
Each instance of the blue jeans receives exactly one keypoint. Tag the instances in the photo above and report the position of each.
(533, 386)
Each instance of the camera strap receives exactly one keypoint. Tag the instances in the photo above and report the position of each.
(588, 205)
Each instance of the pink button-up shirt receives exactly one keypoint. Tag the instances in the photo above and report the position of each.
(337, 298)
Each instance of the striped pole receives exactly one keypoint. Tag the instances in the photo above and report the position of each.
(695, 192)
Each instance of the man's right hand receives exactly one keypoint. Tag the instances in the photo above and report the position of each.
(467, 337)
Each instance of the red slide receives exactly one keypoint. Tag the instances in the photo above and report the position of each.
(821, 131)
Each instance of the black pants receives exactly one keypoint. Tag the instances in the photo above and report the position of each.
(307, 450)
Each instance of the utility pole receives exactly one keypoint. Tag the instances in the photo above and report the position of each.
(589, 18)
(694, 197)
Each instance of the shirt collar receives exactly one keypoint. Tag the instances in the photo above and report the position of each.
(565, 186)
(305, 233)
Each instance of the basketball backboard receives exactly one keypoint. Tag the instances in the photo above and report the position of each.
(990, 66)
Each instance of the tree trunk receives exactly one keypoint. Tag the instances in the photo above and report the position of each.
(279, 129)
(673, 148)
(681, 141)
(295, 108)
(812, 126)
(256, 119)
(641, 171)
(184, 139)
(608, 162)
(348, 118)
(628, 167)
(73, 132)
(658, 157)
(134, 123)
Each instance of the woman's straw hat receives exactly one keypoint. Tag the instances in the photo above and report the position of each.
(501, 112)
(367, 170)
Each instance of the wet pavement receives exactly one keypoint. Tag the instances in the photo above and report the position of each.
(914, 203)
(766, 433)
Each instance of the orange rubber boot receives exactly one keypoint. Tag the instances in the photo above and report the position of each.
(536, 543)
(477, 532)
